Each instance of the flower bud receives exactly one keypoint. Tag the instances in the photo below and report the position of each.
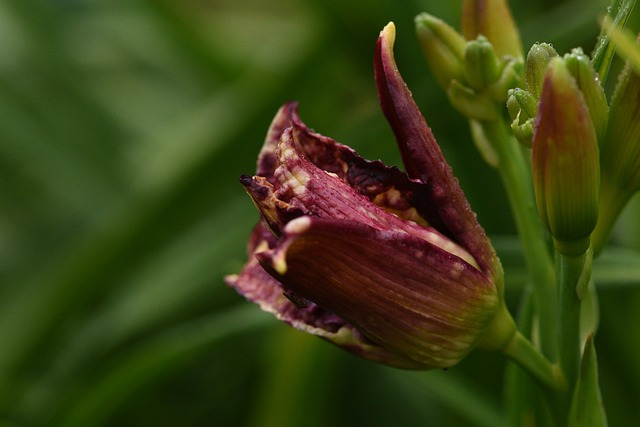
(481, 64)
(522, 109)
(443, 47)
(579, 65)
(492, 19)
(620, 160)
(538, 59)
(566, 170)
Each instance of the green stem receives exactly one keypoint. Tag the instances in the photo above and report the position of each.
(503, 151)
(503, 335)
(573, 271)
(522, 352)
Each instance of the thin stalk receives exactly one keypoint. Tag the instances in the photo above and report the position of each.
(503, 335)
(516, 177)
(522, 352)
(571, 271)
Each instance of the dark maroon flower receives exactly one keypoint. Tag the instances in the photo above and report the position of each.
(392, 266)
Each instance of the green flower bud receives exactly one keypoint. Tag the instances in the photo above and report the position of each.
(538, 59)
(579, 65)
(620, 154)
(492, 19)
(566, 169)
(481, 64)
(521, 105)
(522, 110)
(443, 47)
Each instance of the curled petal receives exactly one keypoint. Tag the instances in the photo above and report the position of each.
(322, 194)
(423, 158)
(267, 157)
(400, 291)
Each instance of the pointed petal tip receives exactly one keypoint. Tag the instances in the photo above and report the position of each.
(231, 279)
(389, 31)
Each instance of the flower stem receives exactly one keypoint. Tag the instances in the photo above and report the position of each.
(503, 335)
(515, 174)
(522, 352)
(574, 272)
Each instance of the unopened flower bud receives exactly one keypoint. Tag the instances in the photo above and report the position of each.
(579, 65)
(443, 47)
(522, 109)
(481, 64)
(566, 169)
(492, 19)
(538, 59)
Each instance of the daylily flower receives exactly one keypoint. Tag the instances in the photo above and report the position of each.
(392, 266)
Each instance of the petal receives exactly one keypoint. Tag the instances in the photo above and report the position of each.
(275, 213)
(385, 186)
(257, 286)
(267, 157)
(400, 291)
(423, 158)
(303, 186)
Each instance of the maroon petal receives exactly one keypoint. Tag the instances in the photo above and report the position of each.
(306, 188)
(385, 186)
(422, 156)
(398, 290)
(257, 286)
(267, 157)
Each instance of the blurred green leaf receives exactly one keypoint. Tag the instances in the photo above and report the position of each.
(153, 359)
(617, 16)
(586, 405)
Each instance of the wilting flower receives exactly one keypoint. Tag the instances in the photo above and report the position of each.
(391, 266)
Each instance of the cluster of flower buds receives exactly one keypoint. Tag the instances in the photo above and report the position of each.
(478, 67)
(586, 155)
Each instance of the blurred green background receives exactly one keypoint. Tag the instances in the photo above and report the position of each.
(124, 126)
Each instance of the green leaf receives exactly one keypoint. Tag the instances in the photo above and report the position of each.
(454, 391)
(154, 360)
(586, 407)
(617, 267)
(618, 15)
